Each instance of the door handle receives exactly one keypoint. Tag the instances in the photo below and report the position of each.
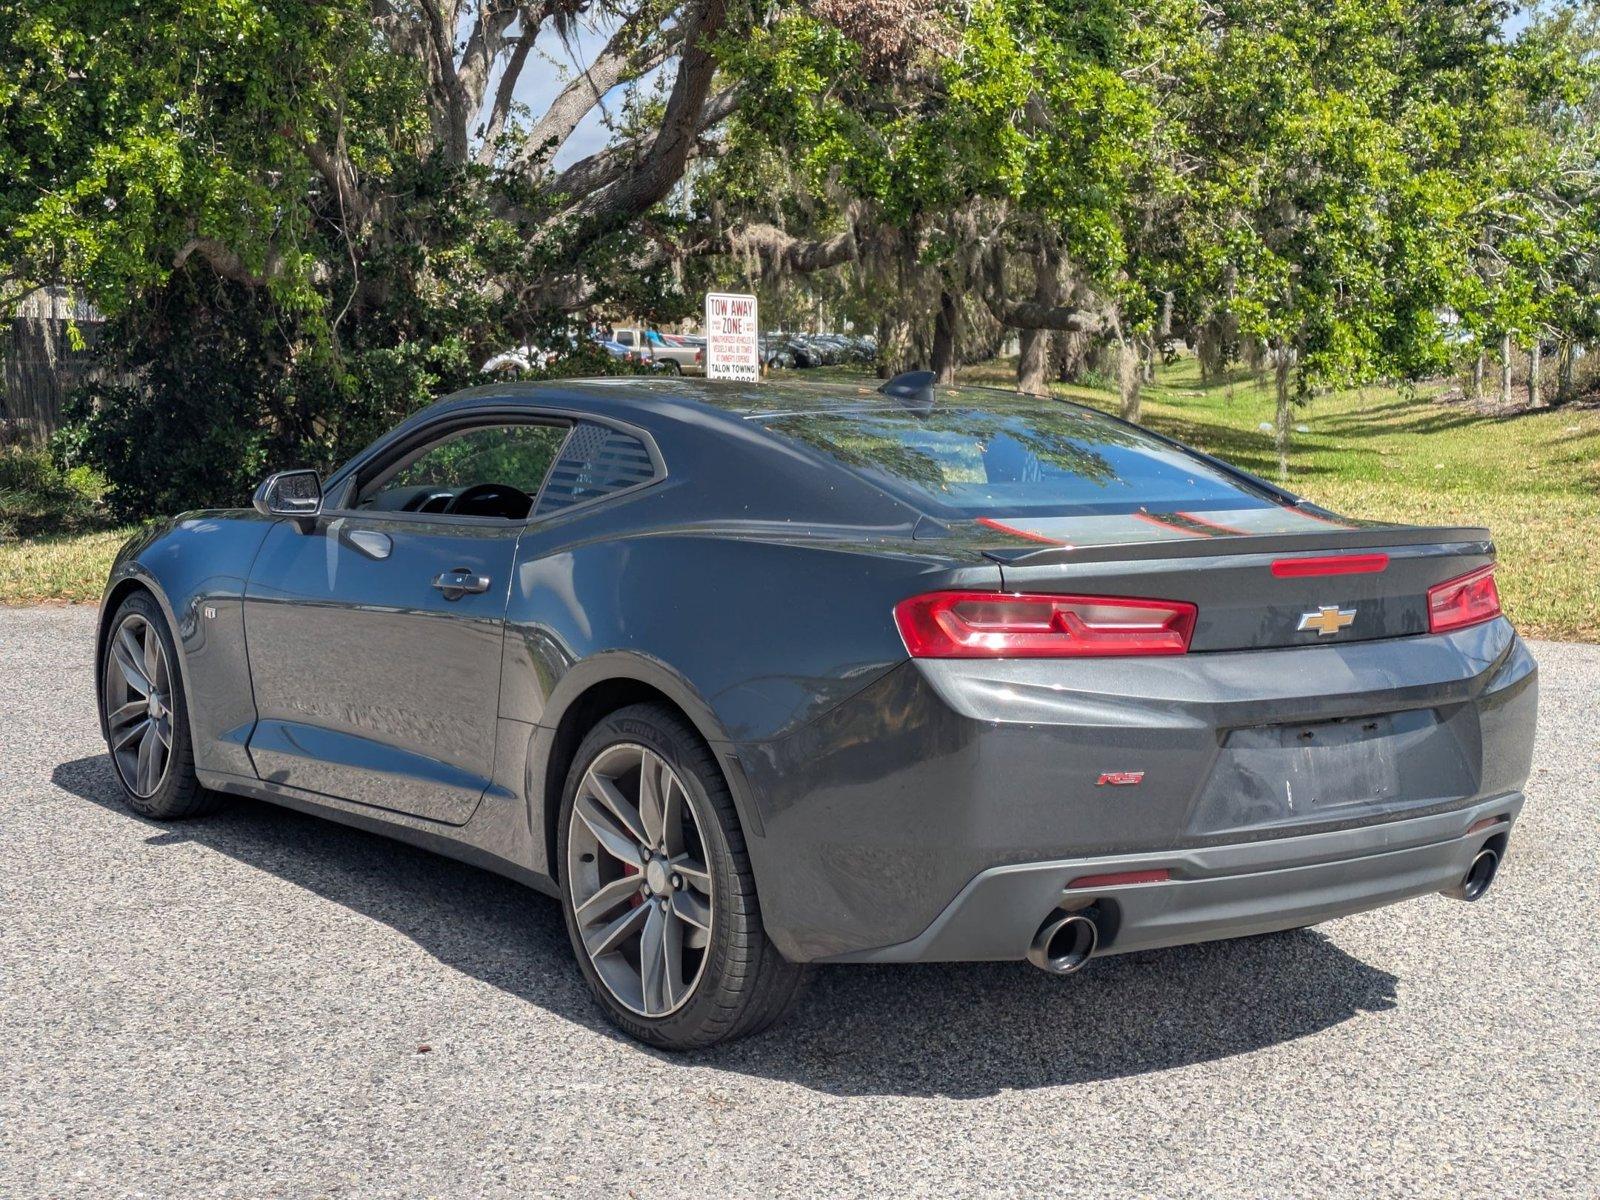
(456, 584)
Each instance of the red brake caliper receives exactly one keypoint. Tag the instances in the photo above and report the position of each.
(638, 897)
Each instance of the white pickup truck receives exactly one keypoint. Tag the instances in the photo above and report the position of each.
(671, 351)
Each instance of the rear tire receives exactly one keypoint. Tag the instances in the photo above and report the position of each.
(146, 718)
(661, 977)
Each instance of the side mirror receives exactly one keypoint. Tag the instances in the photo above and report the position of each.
(296, 494)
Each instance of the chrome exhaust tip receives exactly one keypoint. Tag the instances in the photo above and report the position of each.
(1478, 877)
(1064, 944)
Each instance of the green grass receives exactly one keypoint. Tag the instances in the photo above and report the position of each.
(1532, 478)
(65, 568)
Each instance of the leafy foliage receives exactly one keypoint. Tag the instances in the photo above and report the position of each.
(37, 496)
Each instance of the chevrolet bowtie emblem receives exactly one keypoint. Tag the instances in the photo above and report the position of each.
(1330, 618)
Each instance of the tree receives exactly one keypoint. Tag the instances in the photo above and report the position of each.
(1005, 133)
(345, 192)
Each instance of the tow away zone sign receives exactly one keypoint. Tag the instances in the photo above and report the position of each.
(732, 337)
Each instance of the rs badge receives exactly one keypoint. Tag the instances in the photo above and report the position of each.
(1120, 779)
(1328, 619)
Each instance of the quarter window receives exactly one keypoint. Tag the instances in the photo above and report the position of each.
(596, 461)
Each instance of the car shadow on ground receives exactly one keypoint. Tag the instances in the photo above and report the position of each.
(957, 1030)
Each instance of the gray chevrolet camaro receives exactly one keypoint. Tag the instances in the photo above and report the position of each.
(755, 675)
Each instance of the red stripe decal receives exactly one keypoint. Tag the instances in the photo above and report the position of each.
(1187, 516)
(1157, 521)
(1021, 533)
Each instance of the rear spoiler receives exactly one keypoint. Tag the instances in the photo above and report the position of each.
(1469, 539)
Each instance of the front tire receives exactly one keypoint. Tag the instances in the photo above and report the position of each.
(145, 716)
(657, 890)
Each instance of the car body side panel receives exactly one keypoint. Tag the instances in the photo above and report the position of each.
(371, 684)
(769, 635)
(197, 565)
(888, 805)
(497, 837)
(751, 639)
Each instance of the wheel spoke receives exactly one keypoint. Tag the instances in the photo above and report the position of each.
(128, 712)
(674, 804)
(605, 791)
(652, 961)
(614, 841)
(604, 940)
(651, 799)
(606, 899)
(152, 655)
(128, 664)
(132, 731)
(163, 729)
(144, 773)
(691, 910)
(693, 872)
(671, 960)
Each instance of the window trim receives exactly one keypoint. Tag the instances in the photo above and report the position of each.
(346, 481)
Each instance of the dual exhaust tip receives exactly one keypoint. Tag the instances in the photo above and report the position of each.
(1064, 943)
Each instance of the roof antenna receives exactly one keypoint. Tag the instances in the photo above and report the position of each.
(914, 390)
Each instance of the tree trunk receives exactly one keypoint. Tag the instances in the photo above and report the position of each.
(1535, 364)
(1477, 377)
(944, 340)
(1505, 370)
(1034, 363)
(1069, 349)
(1284, 415)
(886, 349)
(1564, 375)
(1130, 378)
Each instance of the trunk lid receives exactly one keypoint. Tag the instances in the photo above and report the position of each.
(1259, 577)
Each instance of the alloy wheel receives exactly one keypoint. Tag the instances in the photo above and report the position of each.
(138, 705)
(641, 892)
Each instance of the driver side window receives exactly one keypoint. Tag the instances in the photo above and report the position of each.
(490, 471)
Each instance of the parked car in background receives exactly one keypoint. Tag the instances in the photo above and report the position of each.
(674, 353)
(668, 351)
(776, 352)
(803, 350)
(511, 363)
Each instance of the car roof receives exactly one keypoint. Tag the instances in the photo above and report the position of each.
(620, 395)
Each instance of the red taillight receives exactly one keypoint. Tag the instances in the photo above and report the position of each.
(1466, 600)
(1000, 625)
(1330, 564)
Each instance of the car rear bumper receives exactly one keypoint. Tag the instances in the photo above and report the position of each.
(873, 819)
(1213, 892)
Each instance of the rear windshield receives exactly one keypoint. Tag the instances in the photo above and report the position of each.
(1049, 458)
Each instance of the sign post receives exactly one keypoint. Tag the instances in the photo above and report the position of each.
(733, 349)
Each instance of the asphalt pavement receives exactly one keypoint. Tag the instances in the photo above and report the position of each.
(262, 1004)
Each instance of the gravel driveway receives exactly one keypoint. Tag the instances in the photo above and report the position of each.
(262, 1004)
